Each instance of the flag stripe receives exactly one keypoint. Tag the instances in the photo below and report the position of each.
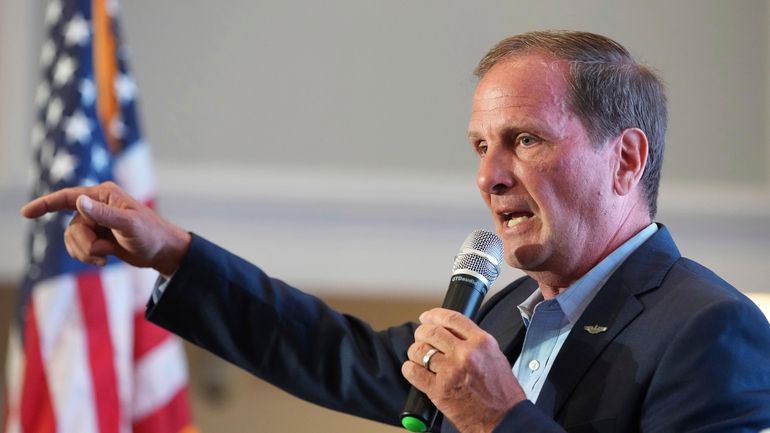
(119, 291)
(13, 380)
(171, 418)
(158, 378)
(37, 414)
(149, 336)
(100, 351)
(64, 352)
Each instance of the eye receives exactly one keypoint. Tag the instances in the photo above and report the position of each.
(481, 148)
(526, 140)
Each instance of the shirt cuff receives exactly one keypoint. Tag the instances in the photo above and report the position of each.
(160, 287)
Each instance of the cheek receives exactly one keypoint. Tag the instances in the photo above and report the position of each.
(563, 188)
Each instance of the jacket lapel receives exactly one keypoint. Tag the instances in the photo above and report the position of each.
(613, 308)
(506, 324)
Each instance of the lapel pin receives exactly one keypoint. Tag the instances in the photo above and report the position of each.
(595, 329)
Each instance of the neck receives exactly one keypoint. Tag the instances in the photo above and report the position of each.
(554, 282)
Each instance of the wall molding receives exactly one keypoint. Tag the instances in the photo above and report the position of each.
(380, 233)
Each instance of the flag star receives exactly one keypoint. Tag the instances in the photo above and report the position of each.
(87, 92)
(42, 94)
(117, 127)
(47, 150)
(63, 71)
(43, 188)
(53, 12)
(77, 31)
(33, 271)
(89, 181)
(38, 135)
(78, 128)
(125, 87)
(47, 53)
(113, 7)
(122, 52)
(39, 245)
(33, 171)
(62, 167)
(54, 112)
(100, 158)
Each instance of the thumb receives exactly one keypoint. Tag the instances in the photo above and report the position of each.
(102, 214)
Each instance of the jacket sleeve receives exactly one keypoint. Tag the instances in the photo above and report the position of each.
(230, 307)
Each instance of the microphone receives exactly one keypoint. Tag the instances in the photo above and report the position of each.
(476, 267)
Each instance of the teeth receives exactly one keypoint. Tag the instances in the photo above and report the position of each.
(513, 222)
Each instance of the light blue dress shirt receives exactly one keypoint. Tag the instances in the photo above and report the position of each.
(550, 322)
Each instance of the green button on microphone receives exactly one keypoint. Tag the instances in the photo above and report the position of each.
(413, 424)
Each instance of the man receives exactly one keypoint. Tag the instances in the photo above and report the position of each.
(612, 330)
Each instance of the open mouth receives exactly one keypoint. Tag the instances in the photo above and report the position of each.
(512, 219)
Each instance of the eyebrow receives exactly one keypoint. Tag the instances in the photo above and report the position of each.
(473, 135)
(529, 127)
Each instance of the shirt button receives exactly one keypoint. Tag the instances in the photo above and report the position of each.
(534, 365)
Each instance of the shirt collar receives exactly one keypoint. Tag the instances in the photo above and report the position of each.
(575, 299)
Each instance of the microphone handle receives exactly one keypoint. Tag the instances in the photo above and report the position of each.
(464, 295)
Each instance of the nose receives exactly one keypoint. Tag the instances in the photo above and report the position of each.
(495, 176)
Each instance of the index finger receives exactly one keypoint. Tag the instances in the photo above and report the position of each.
(55, 201)
(454, 321)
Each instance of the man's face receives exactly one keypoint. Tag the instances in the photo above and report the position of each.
(548, 187)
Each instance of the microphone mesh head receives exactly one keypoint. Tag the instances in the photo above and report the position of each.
(481, 253)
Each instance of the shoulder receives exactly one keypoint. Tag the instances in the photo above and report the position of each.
(693, 287)
(711, 359)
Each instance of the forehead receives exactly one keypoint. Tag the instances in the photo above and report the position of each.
(532, 84)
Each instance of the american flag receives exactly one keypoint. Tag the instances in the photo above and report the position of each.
(82, 359)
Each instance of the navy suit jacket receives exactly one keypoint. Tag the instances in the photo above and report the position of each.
(683, 350)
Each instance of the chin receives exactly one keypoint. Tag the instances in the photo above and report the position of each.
(525, 257)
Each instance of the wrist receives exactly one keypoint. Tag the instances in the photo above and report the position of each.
(173, 252)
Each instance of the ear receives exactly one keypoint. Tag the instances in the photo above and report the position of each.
(631, 160)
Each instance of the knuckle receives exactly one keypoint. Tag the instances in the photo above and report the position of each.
(462, 356)
(476, 361)
(68, 247)
(70, 239)
(419, 333)
(453, 317)
(408, 369)
(425, 332)
(92, 251)
(411, 353)
(417, 350)
(488, 342)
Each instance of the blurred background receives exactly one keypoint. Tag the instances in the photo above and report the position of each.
(325, 141)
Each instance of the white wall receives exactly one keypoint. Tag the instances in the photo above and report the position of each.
(19, 50)
(325, 140)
